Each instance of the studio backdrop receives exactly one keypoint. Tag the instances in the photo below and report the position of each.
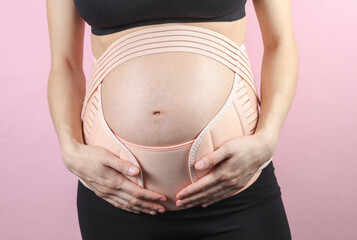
(315, 160)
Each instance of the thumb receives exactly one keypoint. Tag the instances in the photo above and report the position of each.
(213, 158)
(121, 165)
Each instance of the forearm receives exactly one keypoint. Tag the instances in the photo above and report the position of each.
(279, 76)
(66, 90)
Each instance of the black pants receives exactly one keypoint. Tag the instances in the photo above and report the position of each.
(256, 213)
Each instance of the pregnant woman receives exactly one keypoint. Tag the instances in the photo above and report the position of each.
(170, 138)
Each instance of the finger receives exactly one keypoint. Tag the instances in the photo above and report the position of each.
(150, 206)
(132, 203)
(140, 192)
(105, 193)
(122, 199)
(130, 199)
(120, 202)
(227, 195)
(208, 193)
(125, 204)
(212, 198)
(200, 201)
(110, 182)
(122, 166)
(117, 205)
(213, 158)
(136, 196)
(200, 185)
(117, 202)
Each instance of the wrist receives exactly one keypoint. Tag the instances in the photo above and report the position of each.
(68, 148)
(69, 137)
(268, 139)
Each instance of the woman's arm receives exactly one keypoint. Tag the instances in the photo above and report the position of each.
(101, 171)
(66, 82)
(279, 73)
(241, 157)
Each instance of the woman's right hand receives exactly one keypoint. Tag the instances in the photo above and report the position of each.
(105, 174)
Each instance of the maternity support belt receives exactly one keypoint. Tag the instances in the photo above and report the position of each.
(168, 169)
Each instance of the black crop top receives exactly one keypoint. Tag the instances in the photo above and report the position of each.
(109, 16)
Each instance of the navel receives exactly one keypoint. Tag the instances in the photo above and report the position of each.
(157, 113)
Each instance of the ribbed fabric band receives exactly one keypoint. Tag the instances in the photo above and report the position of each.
(180, 38)
(155, 148)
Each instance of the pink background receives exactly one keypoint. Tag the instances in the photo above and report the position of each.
(315, 160)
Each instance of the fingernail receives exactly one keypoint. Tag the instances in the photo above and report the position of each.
(161, 210)
(132, 170)
(200, 165)
(179, 203)
(162, 199)
(152, 212)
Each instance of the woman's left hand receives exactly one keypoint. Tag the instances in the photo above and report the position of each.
(234, 163)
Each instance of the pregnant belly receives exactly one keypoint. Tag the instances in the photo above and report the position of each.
(164, 99)
(168, 98)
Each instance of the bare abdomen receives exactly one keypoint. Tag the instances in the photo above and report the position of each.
(166, 98)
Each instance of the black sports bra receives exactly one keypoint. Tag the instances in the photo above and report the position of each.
(109, 16)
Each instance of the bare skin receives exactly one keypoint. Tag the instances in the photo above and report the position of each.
(153, 100)
(104, 172)
(234, 30)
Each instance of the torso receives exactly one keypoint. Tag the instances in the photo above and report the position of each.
(166, 98)
(233, 30)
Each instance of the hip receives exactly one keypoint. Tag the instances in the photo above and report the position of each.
(169, 168)
(255, 213)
